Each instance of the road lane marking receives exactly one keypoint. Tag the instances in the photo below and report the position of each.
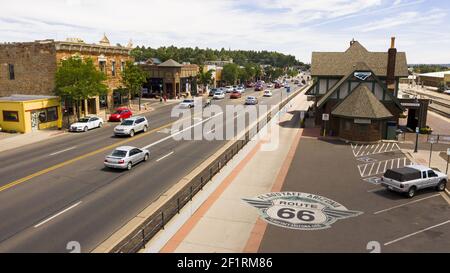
(62, 151)
(167, 155)
(415, 233)
(56, 215)
(406, 204)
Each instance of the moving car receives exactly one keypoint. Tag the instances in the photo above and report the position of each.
(267, 93)
(270, 85)
(412, 178)
(235, 95)
(240, 89)
(277, 85)
(219, 95)
(126, 157)
(229, 89)
(120, 114)
(131, 126)
(187, 103)
(259, 87)
(85, 124)
(212, 91)
(251, 100)
(250, 85)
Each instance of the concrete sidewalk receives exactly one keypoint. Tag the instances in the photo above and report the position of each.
(11, 141)
(224, 223)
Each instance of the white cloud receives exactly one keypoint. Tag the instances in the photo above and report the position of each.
(290, 26)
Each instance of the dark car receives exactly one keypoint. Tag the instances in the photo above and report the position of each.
(250, 85)
(213, 91)
(259, 88)
(121, 114)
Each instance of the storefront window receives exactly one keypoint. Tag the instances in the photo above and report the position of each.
(11, 116)
(48, 115)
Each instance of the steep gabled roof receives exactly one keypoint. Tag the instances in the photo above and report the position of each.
(170, 63)
(338, 63)
(361, 103)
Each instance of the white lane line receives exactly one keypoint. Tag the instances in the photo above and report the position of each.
(56, 215)
(385, 166)
(406, 204)
(167, 155)
(392, 163)
(360, 148)
(182, 131)
(415, 233)
(371, 168)
(378, 168)
(381, 149)
(62, 151)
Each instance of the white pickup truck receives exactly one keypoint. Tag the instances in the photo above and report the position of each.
(412, 178)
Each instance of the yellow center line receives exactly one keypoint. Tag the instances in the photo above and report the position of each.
(65, 163)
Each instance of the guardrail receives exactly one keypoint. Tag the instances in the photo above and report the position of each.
(445, 139)
(139, 237)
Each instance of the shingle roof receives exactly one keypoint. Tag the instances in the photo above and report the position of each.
(361, 103)
(170, 63)
(338, 63)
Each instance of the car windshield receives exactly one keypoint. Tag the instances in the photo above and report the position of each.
(118, 112)
(218, 93)
(119, 153)
(127, 122)
(188, 101)
(83, 120)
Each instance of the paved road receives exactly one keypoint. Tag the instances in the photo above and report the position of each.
(61, 192)
(396, 223)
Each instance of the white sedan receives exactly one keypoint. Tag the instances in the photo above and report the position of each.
(219, 95)
(87, 123)
(267, 93)
(188, 103)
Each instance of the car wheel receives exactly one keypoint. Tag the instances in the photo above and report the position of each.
(100, 125)
(146, 157)
(441, 186)
(132, 133)
(145, 129)
(129, 166)
(412, 192)
(85, 129)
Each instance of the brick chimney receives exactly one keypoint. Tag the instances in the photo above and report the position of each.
(392, 56)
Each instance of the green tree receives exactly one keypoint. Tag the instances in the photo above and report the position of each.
(230, 73)
(77, 80)
(133, 78)
(205, 77)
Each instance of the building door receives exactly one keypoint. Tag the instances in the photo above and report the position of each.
(34, 121)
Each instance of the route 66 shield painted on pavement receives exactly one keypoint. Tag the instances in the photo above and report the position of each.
(301, 211)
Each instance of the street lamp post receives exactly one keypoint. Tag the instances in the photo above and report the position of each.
(417, 140)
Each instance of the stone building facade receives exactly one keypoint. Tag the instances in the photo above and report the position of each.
(29, 69)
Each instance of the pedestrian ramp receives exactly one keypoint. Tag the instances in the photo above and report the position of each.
(380, 167)
(368, 149)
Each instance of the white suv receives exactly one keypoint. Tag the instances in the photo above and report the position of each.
(131, 126)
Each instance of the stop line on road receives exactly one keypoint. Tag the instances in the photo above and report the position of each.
(380, 167)
(364, 150)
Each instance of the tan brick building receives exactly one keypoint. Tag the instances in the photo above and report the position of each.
(29, 69)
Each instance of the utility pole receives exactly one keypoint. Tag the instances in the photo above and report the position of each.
(417, 140)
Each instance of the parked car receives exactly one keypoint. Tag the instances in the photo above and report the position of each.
(121, 114)
(212, 91)
(267, 93)
(187, 103)
(251, 100)
(412, 178)
(235, 95)
(219, 95)
(131, 126)
(126, 157)
(240, 89)
(85, 124)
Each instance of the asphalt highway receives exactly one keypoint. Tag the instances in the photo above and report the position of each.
(58, 191)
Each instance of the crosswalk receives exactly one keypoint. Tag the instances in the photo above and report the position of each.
(365, 150)
(380, 167)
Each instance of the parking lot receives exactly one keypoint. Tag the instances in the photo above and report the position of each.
(348, 174)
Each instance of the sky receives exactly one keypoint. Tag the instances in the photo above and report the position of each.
(296, 27)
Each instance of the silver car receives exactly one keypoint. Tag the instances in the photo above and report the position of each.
(126, 157)
(131, 126)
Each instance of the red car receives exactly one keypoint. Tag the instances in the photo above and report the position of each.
(235, 95)
(121, 114)
(277, 85)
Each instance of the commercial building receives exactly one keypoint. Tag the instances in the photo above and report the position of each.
(169, 78)
(356, 92)
(27, 113)
(29, 69)
(435, 79)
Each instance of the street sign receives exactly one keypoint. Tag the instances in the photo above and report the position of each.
(326, 117)
(417, 130)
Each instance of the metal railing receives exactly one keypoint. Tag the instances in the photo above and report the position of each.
(141, 236)
(435, 138)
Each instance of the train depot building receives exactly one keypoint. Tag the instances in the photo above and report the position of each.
(356, 94)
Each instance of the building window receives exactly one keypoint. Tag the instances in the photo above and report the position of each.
(102, 65)
(12, 116)
(347, 125)
(12, 76)
(103, 101)
(48, 115)
(122, 66)
(113, 69)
